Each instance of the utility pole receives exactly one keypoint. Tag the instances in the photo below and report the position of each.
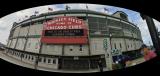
(153, 33)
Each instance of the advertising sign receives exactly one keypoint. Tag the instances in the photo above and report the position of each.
(64, 30)
(115, 52)
(105, 46)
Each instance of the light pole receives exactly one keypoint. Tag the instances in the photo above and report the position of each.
(110, 35)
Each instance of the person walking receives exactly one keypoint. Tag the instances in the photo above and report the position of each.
(100, 65)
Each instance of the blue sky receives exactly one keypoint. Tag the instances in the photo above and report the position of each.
(7, 21)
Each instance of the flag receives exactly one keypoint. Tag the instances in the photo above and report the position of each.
(105, 9)
(67, 7)
(50, 9)
(36, 12)
(26, 16)
(86, 7)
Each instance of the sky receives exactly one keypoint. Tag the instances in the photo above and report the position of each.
(7, 21)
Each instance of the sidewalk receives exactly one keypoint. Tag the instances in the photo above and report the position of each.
(137, 61)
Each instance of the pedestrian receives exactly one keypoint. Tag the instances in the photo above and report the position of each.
(100, 65)
(147, 53)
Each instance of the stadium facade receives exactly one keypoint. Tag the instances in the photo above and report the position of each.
(73, 40)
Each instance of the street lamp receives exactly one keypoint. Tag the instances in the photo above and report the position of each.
(110, 35)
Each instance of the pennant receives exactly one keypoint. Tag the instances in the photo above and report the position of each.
(50, 9)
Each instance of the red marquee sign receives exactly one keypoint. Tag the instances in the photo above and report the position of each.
(65, 30)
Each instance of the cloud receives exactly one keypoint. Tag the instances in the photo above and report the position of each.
(144, 31)
(7, 21)
(98, 8)
(157, 24)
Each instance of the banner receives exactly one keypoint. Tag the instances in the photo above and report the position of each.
(65, 30)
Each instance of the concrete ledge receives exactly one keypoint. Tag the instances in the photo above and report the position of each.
(15, 61)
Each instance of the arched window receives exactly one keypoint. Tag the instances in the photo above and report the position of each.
(120, 45)
(115, 46)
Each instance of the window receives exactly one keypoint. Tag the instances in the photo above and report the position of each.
(71, 49)
(32, 58)
(54, 61)
(93, 25)
(92, 19)
(115, 46)
(40, 59)
(14, 53)
(26, 56)
(102, 26)
(120, 45)
(44, 60)
(102, 20)
(29, 57)
(22, 55)
(18, 54)
(49, 60)
(80, 48)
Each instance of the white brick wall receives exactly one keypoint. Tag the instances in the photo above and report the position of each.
(118, 41)
(9, 42)
(96, 45)
(15, 34)
(127, 33)
(13, 43)
(30, 61)
(52, 49)
(75, 50)
(24, 31)
(20, 43)
(33, 45)
(36, 29)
